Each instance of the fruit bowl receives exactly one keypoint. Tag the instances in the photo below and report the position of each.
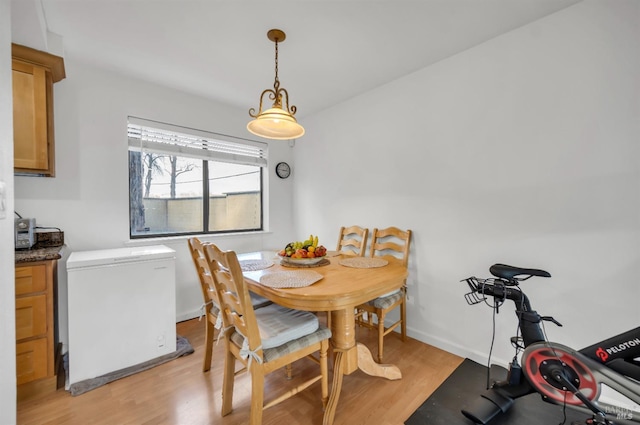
(307, 252)
(314, 260)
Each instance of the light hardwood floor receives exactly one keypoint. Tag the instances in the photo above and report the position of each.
(179, 393)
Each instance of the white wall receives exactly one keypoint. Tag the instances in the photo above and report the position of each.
(523, 150)
(7, 276)
(89, 197)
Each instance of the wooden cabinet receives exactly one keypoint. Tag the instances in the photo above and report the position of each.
(34, 73)
(35, 328)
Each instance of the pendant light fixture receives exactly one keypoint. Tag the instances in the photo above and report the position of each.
(277, 122)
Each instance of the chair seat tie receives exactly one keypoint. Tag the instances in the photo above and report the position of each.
(222, 332)
(246, 353)
(203, 308)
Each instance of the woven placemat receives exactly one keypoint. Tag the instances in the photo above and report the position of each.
(290, 279)
(363, 262)
(320, 263)
(253, 265)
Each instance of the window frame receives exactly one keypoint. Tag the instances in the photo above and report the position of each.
(149, 136)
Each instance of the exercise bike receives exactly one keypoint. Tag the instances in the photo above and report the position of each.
(558, 373)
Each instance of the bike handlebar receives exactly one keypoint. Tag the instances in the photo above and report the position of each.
(504, 286)
(501, 289)
(498, 289)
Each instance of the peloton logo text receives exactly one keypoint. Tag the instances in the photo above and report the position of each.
(603, 354)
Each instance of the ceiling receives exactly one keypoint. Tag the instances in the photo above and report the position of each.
(335, 49)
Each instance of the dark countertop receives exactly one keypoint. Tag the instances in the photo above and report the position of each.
(40, 254)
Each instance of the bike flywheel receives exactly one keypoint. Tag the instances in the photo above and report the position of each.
(542, 362)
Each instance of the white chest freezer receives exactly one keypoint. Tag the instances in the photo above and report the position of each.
(121, 308)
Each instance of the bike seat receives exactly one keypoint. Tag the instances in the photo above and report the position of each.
(509, 272)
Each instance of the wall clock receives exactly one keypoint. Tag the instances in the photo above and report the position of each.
(283, 170)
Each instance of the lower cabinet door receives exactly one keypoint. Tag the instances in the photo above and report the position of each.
(31, 360)
(31, 316)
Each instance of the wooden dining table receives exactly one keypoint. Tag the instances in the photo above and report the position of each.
(339, 291)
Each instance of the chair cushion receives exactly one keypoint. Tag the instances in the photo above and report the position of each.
(288, 347)
(279, 325)
(386, 300)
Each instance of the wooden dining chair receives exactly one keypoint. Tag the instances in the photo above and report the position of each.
(211, 306)
(353, 240)
(387, 242)
(263, 340)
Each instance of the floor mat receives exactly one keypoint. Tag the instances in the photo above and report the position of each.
(465, 384)
(183, 347)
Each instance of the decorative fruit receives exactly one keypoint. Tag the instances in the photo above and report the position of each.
(306, 249)
(320, 251)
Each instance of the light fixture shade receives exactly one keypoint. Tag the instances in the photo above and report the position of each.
(276, 123)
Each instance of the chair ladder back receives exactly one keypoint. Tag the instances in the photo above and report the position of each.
(196, 247)
(391, 241)
(235, 301)
(353, 240)
(231, 306)
(210, 303)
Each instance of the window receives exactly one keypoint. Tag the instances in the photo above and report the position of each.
(184, 181)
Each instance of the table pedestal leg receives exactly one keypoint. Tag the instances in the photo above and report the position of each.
(336, 387)
(349, 357)
(343, 340)
(370, 367)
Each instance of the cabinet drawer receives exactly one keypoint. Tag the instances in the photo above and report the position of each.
(31, 360)
(31, 279)
(31, 316)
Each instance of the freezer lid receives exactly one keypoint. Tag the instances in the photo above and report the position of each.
(107, 257)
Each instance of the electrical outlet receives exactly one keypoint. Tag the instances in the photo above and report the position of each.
(161, 341)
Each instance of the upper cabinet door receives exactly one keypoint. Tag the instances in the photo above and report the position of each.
(30, 120)
(34, 73)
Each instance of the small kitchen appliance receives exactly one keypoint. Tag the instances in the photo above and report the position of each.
(25, 228)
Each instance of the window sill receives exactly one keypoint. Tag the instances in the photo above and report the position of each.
(202, 236)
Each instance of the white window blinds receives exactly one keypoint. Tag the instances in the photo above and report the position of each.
(174, 140)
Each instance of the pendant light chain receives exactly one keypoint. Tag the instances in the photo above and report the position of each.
(276, 84)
